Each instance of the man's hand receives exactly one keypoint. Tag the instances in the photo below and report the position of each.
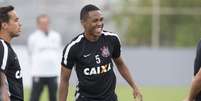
(137, 94)
(189, 99)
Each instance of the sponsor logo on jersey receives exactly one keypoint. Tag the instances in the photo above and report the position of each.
(97, 70)
(18, 74)
(86, 55)
(105, 51)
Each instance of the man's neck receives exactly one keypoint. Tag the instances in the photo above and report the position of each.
(5, 36)
(46, 33)
(91, 37)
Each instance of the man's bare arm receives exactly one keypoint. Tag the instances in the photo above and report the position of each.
(195, 86)
(123, 69)
(64, 83)
(4, 87)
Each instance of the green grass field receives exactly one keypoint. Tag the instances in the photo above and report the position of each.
(125, 93)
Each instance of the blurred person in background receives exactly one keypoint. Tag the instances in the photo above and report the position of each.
(10, 70)
(195, 89)
(44, 45)
(92, 53)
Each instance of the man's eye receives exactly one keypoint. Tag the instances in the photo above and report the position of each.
(96, 20)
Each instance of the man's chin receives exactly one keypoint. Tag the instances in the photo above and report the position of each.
(16, 35)
(98, 34)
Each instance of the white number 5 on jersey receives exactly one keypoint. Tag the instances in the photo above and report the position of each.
(97, 59)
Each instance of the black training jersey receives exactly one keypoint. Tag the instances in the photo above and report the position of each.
(197, 65)
(11, 68)
(93, 64)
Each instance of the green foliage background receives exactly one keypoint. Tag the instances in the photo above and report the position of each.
(175, 30)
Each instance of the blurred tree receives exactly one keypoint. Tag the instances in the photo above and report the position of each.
(180, 30)
(176, 30)
(136, 28)
(181, 3)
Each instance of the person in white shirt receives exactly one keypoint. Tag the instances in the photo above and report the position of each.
(44, 45)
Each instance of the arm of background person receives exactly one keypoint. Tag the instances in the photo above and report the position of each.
(196, 82)
(195, 87)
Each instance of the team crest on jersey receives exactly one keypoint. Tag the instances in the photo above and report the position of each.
(105, 51)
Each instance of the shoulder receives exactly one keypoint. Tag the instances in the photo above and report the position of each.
(74, 42)
(3, 46)
(2, 43)
(55, 33)
(199, 43)
(34, 35)
(111, 35)
(3, 54)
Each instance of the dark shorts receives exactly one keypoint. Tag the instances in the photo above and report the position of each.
(109, 98)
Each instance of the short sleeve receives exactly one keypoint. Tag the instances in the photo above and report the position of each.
(117, 47)
(3, 55)
(68, 57)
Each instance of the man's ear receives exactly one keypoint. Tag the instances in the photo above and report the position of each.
(82, 22)
(4, 25)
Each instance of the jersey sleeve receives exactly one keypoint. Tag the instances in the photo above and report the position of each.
(117, 47)
(197, 63)
(3, 55)
(68, 57)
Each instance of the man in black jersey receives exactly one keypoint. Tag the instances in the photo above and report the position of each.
(195, 90)
(92, 53)
(9, 64)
